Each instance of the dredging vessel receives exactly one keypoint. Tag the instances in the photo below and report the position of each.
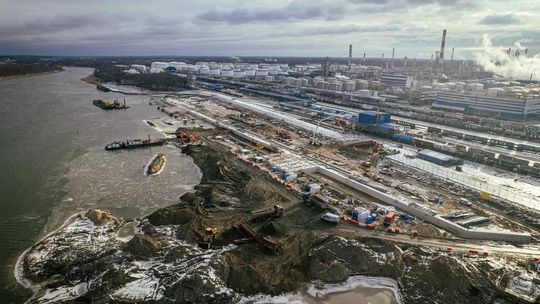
(135, 143)
(107, 105)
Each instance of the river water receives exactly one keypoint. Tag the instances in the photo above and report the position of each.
(53, 162)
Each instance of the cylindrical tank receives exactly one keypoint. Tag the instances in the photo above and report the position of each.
(227, 73)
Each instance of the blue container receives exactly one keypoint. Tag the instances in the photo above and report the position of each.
(369, 219)
(403, 138)
(373, 216)
(276, 169)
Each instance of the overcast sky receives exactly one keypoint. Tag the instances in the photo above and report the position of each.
(266, 28)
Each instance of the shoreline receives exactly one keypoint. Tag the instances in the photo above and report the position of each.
(14, 77)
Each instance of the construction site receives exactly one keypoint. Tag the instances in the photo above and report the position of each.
(325, 173)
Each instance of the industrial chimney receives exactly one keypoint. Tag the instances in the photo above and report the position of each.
(350, 55)
(441, 54)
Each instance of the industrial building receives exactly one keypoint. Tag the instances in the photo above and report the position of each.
(397, 81)
(438, 158)
(484, 105)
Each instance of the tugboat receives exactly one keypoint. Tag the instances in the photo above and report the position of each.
(135, 143)
(107, 105)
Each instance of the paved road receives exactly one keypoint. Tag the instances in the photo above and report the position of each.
(457, 245)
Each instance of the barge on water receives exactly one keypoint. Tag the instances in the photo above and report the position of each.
(107, 105)
(135, 143)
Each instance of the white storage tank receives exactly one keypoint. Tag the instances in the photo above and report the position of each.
(261, 73)
(289, 80)
(227, 73)
(250, 72)
(215, 72)
(139, 67)
(305, 82)
(159, 65)
(477, 87)
(239, 74)
(321, 84)
(269, 78)
(362, 84)
(204, 70)
(349, 86)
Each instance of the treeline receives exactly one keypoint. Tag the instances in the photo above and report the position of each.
(152, 82)
(16, 69)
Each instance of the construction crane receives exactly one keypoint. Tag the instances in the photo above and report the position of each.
(314, 139)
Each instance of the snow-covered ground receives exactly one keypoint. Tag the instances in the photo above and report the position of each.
(102, 258)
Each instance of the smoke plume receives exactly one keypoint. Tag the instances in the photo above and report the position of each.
(503, 64)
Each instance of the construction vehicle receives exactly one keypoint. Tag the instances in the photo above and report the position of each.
(252, 234)
(389, 218)
(185, 136)
(284, 134)
(366, 164)
(267, 213)
(207, 237)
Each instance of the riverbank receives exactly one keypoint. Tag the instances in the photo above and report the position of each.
(308, 250)
(22, 76)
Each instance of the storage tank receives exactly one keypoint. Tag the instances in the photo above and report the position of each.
(139, 67)
(238, 74)
(250, 72)
(305, 82)
(159, 65)
(261, 73)
(215, 72)
(269, 78)
(362, 84)
(204, 70)
(477, 87)
(494, 91)
(289, 80)
(322, 84)
(227, 73)
(349, 86)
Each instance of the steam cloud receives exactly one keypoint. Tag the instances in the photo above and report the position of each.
(496, 60)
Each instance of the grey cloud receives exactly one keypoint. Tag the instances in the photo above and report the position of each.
(295, 11)
(500, 19)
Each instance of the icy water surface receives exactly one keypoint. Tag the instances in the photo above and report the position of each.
(53, 162)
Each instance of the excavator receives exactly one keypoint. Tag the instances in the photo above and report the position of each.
(207, 237)
(185, 136)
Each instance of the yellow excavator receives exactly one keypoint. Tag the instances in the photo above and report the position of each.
(207, 237)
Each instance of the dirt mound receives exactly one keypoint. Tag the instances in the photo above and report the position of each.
(335, 258)
(274, 229)
(99, 217)
(172, 215)
(143, 245)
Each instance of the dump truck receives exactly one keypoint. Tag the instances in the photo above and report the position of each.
(264, 214)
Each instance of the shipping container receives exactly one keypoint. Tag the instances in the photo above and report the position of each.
(403, 138)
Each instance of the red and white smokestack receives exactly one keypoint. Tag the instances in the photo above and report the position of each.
(441, 54)
(350, 55)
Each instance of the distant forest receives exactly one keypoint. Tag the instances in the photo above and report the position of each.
(152, 82)
(16, 69)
